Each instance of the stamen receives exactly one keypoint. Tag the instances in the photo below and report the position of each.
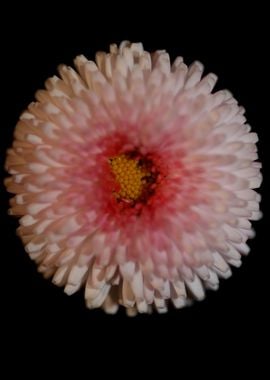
(133, 175)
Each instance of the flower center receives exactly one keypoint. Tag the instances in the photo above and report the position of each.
(134, 176)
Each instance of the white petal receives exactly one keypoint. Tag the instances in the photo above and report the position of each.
(212, 282)
(137, 285)
(142, 306)
(179, 302)
(196, 288)
(93, 303)
(127, 294)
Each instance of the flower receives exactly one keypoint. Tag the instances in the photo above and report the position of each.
(134, 180)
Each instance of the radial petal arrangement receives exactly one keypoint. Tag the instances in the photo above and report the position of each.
(133, 180)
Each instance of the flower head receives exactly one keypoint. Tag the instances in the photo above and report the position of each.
(134, 180)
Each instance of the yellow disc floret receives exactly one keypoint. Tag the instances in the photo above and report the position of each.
(130, 176)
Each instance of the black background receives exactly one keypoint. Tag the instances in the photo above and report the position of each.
(234, 47)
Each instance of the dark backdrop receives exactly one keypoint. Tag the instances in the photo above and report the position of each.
(234, 49)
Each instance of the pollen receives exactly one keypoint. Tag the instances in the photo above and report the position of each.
(131, 175)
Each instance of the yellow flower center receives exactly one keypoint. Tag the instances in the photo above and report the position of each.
(131, 176)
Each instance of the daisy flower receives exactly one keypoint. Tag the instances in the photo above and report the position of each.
(133, 180)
